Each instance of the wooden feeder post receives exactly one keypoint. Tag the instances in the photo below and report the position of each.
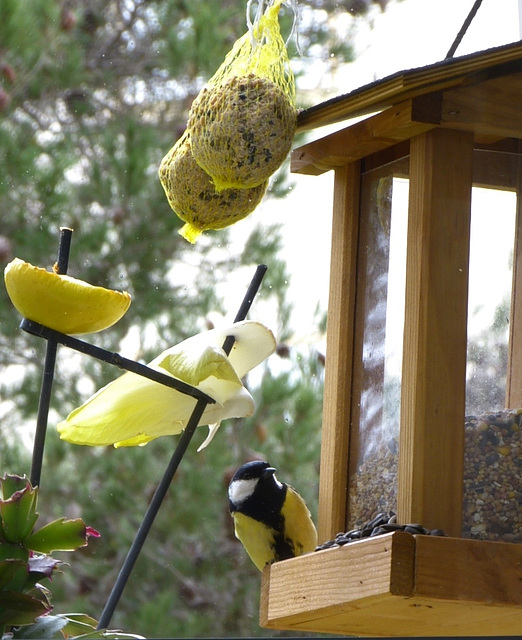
(431, 450)
(445, 127)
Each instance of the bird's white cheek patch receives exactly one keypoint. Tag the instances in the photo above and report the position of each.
(240, 490)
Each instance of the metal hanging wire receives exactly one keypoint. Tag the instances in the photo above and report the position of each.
(463, 29)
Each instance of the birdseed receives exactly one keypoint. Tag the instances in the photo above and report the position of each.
(382, 523)
(492, 499)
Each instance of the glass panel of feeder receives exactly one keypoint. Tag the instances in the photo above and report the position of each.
(492, 506)
(378, 348)
(493, 214)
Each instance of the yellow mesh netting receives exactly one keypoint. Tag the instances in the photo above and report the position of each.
(243, 123)
(240, 130)
(261, 51)
(192, 195)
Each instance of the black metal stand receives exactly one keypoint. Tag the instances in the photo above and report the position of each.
(54, 338)
(48, 374)
(172, 467)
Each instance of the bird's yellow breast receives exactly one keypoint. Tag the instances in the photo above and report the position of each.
(259, 539)
(299, 526)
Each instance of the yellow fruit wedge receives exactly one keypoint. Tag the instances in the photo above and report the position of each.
(60, 302)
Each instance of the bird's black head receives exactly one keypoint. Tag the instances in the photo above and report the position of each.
(255, 491)
(254, 470)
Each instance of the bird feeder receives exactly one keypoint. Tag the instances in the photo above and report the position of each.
(394, 421)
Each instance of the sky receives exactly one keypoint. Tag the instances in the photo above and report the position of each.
(409, 34)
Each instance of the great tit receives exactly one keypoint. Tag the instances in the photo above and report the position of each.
(270, 517)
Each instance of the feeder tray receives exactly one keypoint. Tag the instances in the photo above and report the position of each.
(398, 585)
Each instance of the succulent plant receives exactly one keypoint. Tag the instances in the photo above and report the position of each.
(25, 559)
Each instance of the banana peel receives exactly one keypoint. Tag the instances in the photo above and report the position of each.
(61, 302)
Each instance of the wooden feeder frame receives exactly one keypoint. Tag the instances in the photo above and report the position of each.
(452, 119)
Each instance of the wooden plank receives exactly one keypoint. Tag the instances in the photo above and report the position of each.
(435, 332)
(366, 137)
(495, 169)
(514, 369)
(404, 85)
(489, 108)
(335, 577)
(351, 590)
(399, 154)
(458, 569)
(339, 353)
(393, 616)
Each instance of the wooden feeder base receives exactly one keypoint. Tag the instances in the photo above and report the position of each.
(398, 585)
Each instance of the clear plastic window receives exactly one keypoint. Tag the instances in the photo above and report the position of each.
(380, 316)
(493, 434)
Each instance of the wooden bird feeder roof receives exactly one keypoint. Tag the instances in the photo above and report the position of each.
(403, 85)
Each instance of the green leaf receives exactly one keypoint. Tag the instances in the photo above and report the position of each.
(18, 512)
(60, 535)
(13, 552)
(20, 608)
(22, 575)
(10, 484)
(78, 624)
(14, 569)
(13, 575)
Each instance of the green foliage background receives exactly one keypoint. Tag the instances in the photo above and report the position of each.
(92, 95)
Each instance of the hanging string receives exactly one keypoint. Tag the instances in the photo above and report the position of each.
(253, 24)
(463, 29)
(294, 32)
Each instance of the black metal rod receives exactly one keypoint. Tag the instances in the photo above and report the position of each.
(112, 358)
(463, 29)
(163, 486)
(48, 373)
(247, 303)
(64, 248)
(150, 516)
